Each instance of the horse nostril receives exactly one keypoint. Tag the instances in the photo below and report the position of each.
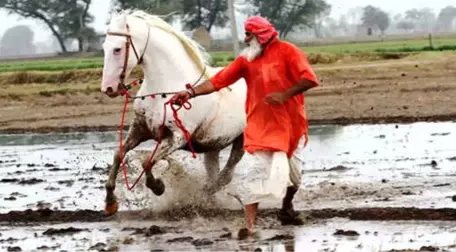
(109, 90)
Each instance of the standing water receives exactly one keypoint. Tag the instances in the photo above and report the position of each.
(344, 166)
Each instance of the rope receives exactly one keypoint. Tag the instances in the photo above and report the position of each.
(178, 123)
(187, 105)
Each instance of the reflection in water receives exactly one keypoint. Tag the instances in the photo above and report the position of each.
(58, 138)
(269, 246)
(325, 132)
(320, 133)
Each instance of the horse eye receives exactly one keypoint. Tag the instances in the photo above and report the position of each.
(116, 50)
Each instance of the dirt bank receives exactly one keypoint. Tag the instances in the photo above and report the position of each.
(393, 91)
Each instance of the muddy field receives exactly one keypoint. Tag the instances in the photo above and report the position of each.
(414, 88)
(388, 186)
(396, 192)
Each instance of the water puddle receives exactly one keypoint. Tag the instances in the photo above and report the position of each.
(409, 165)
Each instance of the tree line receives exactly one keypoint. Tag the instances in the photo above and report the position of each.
(71, 20)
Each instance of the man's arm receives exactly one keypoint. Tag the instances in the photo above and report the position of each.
(278, 98)
(204, 88)
(302, 86)
(225, 77)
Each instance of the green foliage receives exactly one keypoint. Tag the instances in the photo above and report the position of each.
(158, 7)
(52, 65)
(65, 18)
(288, 15)
(194, 13)
(376, 18)
(207, 13)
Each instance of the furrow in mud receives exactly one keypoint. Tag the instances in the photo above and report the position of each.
(364, 214)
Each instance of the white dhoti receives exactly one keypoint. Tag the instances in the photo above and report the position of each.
(268, 176)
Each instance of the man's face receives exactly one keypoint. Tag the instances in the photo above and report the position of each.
(253, 48)
(248, 37)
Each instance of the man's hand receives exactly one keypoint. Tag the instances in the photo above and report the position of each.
(181, 97)
(276, 98)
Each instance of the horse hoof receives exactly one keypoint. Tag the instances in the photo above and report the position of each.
(289, 218)
(157, 186)
(111, 209)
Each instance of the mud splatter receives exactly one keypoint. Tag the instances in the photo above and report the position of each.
(202, 242)
(14, 249)
(346, 232)
(181, 239)
(31, 181)
(63, 231)
(422, 249)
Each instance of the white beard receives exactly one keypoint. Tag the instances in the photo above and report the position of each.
(252, 50)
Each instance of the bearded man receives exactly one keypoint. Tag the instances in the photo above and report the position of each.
(277, 74)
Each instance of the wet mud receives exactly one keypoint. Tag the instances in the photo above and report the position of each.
(373, 214)
(399, 181)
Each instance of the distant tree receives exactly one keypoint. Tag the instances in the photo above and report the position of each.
(320, 21)
(194, 13)
(421, 18)
(446, 17)
(207, 13)
(343, 24)
(290, 15)
(376, 18)
(354, 15)
(158, 7)
(66, 19)
(17, 41)
(405, 25)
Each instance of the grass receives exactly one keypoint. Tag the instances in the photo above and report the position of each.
(18, 92)
(52, 65)
(317, 54)
(386, 46)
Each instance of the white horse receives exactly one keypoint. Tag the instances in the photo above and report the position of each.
(169, 60)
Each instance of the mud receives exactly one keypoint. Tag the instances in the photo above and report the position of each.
(48, 215)
(395, 191)
(374, 214)
(399, 91)
(63, 231)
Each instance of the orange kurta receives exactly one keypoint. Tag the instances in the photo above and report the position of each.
(271, 127)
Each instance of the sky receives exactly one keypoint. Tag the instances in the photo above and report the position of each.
(100, 8)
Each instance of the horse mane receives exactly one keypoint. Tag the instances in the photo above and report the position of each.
(196, 52)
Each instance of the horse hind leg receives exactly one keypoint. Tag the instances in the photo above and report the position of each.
(226, 175)
(212, 165)
(136, 135)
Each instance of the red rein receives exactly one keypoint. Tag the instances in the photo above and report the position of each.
(178, 122)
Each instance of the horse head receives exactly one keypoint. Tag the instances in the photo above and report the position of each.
(124, 47)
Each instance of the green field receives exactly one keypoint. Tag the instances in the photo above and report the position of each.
(386, 46)
(222, 58)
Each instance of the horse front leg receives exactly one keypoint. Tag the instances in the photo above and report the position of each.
(136, 135)
(226, 175)
(166, 147)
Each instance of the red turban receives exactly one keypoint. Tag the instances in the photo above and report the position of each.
(261, 28)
